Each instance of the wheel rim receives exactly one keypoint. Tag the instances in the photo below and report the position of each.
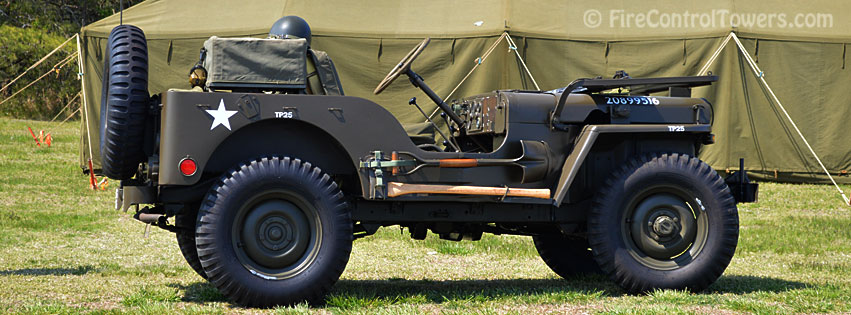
(665, 227)
(277, 234)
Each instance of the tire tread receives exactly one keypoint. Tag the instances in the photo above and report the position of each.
(599, 222)
(209, 215)
(125, 101)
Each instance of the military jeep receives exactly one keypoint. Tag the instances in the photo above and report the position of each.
(266, 186)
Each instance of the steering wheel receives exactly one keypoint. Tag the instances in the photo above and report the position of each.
(402, 66)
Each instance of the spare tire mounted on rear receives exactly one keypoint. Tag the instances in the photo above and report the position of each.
(124, 102)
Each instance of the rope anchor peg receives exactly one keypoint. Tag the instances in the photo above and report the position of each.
(94, 184)
(42, 137)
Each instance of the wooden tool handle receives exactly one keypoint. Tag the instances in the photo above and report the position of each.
(459, 163)
(395, 189)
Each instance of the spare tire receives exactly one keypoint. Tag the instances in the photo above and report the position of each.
(124, 102)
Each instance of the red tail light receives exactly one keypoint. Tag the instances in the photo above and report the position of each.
(188, 167)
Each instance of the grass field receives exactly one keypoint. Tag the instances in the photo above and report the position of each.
(64, 250)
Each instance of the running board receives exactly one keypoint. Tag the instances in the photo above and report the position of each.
(395, 189)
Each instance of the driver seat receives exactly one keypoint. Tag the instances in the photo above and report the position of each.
(322, 77)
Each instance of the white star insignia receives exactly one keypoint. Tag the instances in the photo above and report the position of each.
(221, 115)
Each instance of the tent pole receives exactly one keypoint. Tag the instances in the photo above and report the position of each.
(85, 100)
(761, 76)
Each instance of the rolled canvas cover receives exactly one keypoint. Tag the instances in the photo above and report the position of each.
(256, 63)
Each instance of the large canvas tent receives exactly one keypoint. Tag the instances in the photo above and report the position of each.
(801, 46)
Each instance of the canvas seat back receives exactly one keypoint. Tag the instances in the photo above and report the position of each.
(322, 75)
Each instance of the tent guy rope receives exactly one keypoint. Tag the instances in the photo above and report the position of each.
(41, 60)
(55, 69)
(513, 46)
(715, 55)
(72, 114)
(761, 76)
(66, 107)
(480, 60)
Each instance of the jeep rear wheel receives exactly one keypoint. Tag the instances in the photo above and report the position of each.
(664, 222)
(567, 257)
(276, 231)
(185, 222)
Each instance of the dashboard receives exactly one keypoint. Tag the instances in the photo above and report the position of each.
(484, 119)
(482, 114)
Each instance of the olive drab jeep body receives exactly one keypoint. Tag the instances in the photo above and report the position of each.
(267, 186)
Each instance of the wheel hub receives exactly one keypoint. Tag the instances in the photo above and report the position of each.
(275, 234)
(663, 226)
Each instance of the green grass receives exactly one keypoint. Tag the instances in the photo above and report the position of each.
(64, 250)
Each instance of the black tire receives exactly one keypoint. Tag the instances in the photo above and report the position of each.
(185, 222)
(567, 257)
(124, 102)
(664, 221)
(278, 197)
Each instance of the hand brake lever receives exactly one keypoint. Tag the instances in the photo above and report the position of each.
(413, 101)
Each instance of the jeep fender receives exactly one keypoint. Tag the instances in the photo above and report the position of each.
(333, 132)
(588, 137)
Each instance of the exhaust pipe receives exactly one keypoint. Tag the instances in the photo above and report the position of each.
(149, 218)
(156, 219)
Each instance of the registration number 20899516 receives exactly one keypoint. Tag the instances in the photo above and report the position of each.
(631, 100)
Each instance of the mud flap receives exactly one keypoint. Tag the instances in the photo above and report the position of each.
(127, 196)
(740, 186)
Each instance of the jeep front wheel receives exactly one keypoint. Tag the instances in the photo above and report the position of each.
(664, 221)
(276, 231)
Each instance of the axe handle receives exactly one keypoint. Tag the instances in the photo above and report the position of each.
(395, 189)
